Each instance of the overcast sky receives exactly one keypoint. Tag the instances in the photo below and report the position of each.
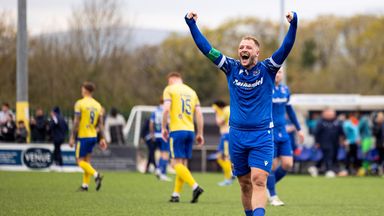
(52, 15)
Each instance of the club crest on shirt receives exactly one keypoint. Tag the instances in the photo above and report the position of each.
(256, 72)
(283, 90)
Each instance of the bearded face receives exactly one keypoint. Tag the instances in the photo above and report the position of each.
(248, 52)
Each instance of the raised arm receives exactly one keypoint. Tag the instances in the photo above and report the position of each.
(202, 43)
(279, 56)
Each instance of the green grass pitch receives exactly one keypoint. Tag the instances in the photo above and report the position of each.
(127, 193)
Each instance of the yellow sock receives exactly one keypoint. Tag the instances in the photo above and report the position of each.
(227, 168)
(178, 184)
(87, 167)
(86, 178)
(184, 174)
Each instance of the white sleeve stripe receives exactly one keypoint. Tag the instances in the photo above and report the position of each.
(274, 63)
(222, 61)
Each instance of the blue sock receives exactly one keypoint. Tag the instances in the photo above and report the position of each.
(164, 167)
(161, 162)
(248, 212)
(259, 212)
(271, 183)
(279, 173)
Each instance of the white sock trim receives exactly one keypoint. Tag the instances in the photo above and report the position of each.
(95, 175)
(175, 194)
(195, 186)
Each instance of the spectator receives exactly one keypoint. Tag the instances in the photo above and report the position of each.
(114, 124)
(5, 112)
(328, 134)
(39, 126)
(59, 130)
(8, 129)
(378, 132)
(365, 131)
(312, 122)
(352, 142)
(21, 132)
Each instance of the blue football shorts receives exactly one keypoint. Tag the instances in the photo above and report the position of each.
(180, 144)
(282, 142)
(250, 149)
(84, 146)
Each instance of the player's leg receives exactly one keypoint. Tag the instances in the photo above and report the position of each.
(246, 193)
(149, 146)
(271, 181)
(220, 154)
(260, 160)
(239, 156)
(160, 162)
(162, 166)
(152, 151)
(271, 184)
(87, 147)
(59, 157)
(80, 159)
(259, 197)
(185, 172)
(224, 161)
(164, 158)
(179, 182)
(181, 150)
(86, 176)
(286, 165)
(285, 153)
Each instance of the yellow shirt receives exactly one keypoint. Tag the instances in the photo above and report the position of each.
(89, 111)
(183, 103)
(223, 114)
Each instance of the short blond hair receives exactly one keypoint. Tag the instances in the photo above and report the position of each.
(252, 38)
(174, 74)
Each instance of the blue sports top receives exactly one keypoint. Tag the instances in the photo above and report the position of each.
(156, 118)
(250, 90)
(281, 105)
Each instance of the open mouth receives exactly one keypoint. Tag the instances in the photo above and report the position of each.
(244, 56)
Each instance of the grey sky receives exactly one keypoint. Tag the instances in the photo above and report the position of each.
(52, 15)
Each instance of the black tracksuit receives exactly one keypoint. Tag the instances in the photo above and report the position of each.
(327, 135)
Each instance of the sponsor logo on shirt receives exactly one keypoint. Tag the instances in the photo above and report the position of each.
(279, 100)
(248, 85)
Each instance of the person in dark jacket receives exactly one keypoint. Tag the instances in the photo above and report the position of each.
(39, 125)
(146, 136)
(378, 132)
(59, 130)
(328, 134)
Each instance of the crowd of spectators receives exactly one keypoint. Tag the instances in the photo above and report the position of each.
(349, 143)
(52, 128)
